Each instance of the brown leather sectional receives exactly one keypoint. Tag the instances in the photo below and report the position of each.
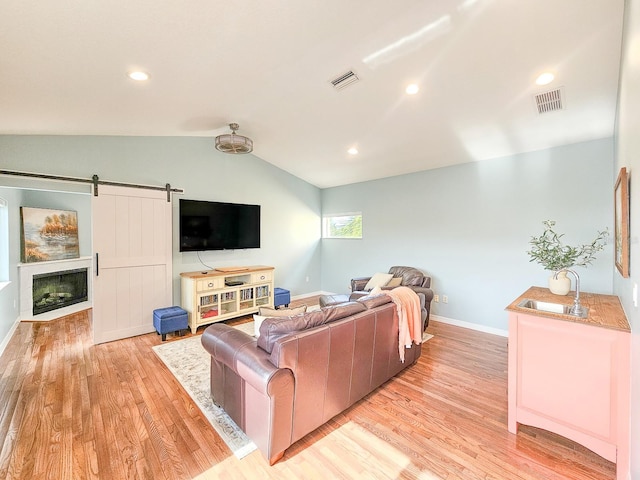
(304, 369)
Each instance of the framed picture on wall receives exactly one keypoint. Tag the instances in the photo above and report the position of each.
(49, 234)
(621, 208)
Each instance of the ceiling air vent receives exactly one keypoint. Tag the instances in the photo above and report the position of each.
(345, 80)
(549, 101)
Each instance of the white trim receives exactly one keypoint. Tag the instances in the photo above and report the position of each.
(326, 219)
(28, 270)
(9, 335)
(58, 313)
(471, 326)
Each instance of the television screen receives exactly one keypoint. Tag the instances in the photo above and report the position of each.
(218, 226)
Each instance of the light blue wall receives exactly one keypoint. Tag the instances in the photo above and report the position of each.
(468, 226)
(628, 155)
(290, 206)
(9, 295)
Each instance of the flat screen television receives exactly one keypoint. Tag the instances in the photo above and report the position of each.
(218, 226)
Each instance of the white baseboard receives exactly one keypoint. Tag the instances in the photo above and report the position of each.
(57, 313)
(7, 338)
(471, 326)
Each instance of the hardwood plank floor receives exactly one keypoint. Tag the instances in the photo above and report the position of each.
(73, 410)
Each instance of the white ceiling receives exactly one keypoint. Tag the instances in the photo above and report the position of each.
(267, 65)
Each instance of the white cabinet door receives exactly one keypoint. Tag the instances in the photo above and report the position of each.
(132, 260)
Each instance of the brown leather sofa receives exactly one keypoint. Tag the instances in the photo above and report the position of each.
(304, 369)
(412, 278)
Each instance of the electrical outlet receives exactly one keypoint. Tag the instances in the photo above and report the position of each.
(307, 279)
(445, 299)
(436, 298)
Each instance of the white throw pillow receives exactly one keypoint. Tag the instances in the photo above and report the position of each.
(376, 291)
(281, 312)
(257, 321)
(266, 312)
(378, 280)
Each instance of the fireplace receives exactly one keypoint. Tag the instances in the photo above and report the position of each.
(59, 289)
(42, 302)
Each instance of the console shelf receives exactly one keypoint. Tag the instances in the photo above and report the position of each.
(213, 296)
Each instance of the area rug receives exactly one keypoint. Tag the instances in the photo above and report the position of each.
(190, 364)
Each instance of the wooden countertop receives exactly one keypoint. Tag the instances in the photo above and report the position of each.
(604, 310)
(225, 271)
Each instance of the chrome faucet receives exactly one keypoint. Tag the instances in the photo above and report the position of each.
(576, 309)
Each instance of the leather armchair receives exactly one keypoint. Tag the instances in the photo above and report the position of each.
(412, 278)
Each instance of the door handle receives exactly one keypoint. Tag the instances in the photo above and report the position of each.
(97, 265)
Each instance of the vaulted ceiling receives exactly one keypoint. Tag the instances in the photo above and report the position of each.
(268, 65)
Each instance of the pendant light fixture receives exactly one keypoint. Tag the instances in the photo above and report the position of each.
(234, 143)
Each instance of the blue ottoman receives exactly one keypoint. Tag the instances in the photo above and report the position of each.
(281, 297)
(170, 319)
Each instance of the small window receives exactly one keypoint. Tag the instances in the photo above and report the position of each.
(344, 225)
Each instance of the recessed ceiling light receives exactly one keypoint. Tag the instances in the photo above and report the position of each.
(352, 151)
(412, 89)
(545, 79)
(138, 76)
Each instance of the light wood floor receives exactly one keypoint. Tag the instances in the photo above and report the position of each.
(72, 410)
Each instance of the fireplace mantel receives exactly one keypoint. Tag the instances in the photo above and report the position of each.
(28, 270)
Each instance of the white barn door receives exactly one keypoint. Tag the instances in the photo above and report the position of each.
(132, 260)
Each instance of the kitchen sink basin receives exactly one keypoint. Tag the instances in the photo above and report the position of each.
(551, 307)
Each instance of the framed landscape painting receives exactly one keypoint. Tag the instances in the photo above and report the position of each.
(49, 234)
(621, 211)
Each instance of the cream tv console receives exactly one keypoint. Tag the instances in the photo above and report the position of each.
(224, 293)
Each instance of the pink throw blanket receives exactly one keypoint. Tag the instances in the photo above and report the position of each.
(409, 319)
